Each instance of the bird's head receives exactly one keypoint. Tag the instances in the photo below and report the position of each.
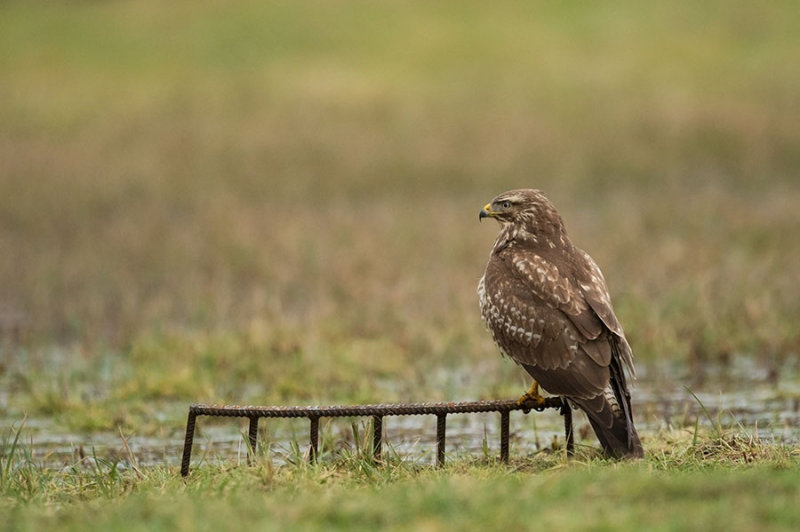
(526, 210)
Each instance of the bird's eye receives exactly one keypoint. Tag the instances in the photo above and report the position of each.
(506, 204)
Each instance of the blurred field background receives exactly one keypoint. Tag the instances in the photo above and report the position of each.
(276, 203)
(285, 195)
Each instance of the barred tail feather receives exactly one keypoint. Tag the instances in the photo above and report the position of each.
(619, 439)
(610, 416)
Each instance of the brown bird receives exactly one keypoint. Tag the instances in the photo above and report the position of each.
(546, 304)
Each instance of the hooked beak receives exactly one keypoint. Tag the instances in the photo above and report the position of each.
(486, 212)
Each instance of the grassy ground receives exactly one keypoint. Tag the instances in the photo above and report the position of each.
(276, 203)
(709, 481)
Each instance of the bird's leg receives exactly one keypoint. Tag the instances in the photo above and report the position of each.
(532, 395)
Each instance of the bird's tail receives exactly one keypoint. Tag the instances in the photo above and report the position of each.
(617, 434)
(610, 416)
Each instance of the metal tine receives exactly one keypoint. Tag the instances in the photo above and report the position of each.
(314, 437)
(252, 435)
(504, 422)
(377, 438)
(441, 428)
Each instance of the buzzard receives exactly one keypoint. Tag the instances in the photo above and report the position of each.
(546, 304)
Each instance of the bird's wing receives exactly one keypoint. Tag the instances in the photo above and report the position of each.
(526, 323)
(585, 362)
(560, 289)
(593, 286)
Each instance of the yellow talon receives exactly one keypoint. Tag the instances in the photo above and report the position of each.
(531, 395)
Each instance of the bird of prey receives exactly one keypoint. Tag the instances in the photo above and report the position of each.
(546, 304)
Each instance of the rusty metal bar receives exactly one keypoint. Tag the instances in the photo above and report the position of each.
(504, 423)
(252, 435)
(441, 427)
(187, 444)
(377, 437)
(314, 436)
(566, 411)
(396, 409)
(377, 411)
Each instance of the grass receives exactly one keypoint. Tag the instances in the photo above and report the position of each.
(716, 484)
(276, 203)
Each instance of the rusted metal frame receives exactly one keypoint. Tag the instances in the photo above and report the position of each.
(313, 413)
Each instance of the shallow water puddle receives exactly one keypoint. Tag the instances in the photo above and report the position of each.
(740, 400)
